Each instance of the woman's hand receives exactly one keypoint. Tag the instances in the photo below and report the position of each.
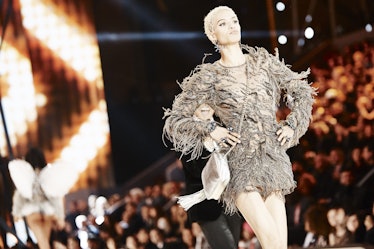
(225, 137)
(285, 134)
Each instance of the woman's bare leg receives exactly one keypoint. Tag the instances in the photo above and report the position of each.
(1, 241)
(276, 206)
(41, 226)
(256, 213)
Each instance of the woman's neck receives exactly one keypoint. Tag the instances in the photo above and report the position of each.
(232, 56)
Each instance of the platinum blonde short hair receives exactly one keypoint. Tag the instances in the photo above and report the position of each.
(208, 21)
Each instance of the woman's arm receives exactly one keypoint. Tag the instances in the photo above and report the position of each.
(182, 128)
(298, 95)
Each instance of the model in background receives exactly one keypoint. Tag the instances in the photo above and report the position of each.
(40, 188)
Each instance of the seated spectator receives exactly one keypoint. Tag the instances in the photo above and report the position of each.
(144, 241)
(355, 224)
(340, 235)
(201, 241)
(248, 239)
(369, 225)
(157, 237)
(324, 188)
(188, 239)
(347, 195)
(130, 223)
(131, 242)
(296, 205)
(316, 226)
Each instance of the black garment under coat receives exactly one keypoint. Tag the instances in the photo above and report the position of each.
(207, 210)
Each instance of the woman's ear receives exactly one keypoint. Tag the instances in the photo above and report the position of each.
(212, 37)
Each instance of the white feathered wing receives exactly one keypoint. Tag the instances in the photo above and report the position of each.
(56, 179)
(23, 176)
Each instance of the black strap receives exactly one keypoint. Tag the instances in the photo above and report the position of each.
(29, 239)
(3, 32)
(26, 228)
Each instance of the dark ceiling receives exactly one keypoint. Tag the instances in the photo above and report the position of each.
(147, 45)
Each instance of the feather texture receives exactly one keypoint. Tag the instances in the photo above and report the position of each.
(259, 163)
(56, 179)
(43, 191)
(23, 177)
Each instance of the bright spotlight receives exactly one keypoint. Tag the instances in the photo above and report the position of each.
(280, 6)
(301, 42)
(309, 33)
(282, 39)
(99, 220)
(308, 18)
(368, 27)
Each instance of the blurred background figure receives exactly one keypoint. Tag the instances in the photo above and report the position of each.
(38, 198)
(355, 224)
(369, 225)
(339, 235)
(316, 226)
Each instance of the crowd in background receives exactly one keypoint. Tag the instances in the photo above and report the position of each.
(333, 204)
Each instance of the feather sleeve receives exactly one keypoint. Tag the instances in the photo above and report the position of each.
(298, 95)
(23, 177)
(185, 132)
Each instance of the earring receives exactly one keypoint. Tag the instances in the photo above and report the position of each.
(216, 46)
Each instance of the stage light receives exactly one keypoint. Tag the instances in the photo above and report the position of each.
(73, 41)
(282, 39)
(68, 40)
(308, 18)
(280, 6)
(84, 145)
(368, 27)
(11, 240)
(99, 220)
(40, 100)
(301, 42)
(309, 33)
(18, 99)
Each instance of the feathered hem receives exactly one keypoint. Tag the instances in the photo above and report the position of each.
(23, 207)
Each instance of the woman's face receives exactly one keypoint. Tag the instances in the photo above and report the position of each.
(226, 27)
(352, 223)
(340, 216)
(331, 217)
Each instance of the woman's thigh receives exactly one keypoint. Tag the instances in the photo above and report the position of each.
(253, 208)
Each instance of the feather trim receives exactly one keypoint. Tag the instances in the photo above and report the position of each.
(56, 179)
(187, 201)
(299, 95)
(186, 133)
(23, 177)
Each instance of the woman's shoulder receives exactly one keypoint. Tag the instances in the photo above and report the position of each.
(206, 72)
(258, 52)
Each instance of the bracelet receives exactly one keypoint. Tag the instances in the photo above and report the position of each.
(211, 126)
(290, 124)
